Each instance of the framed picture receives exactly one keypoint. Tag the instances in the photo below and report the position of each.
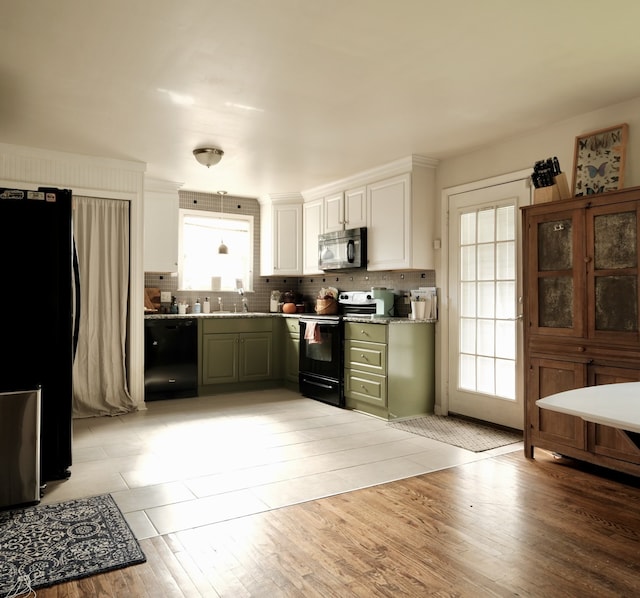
(598, 163)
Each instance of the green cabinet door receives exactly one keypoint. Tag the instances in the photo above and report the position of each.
(219, 358)
(255, 356)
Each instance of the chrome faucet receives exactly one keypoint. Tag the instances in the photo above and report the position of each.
(245, 307)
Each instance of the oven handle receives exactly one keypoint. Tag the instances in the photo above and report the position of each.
(322, 321)
(315, 383)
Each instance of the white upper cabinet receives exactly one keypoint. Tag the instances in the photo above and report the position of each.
(312, 218)
(397, 204)
(346, 210)
(400, 221)
(281, 238)
(333, 212)
(161, 224)
(355, 207)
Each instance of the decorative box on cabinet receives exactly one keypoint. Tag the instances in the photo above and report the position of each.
(390, 368)
(582, 302)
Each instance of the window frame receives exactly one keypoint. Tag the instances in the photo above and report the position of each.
(215, 215)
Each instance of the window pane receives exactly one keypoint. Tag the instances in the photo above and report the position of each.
(468, 263)
(506, 260)
(468, 303)
(467, 335)
(486, 375)
(486, 225)
(467, 372)
(486, 344)
(505, 299)
(486, 300)
(486, 262)
(201, 233)
(468, 228)
(505, 223)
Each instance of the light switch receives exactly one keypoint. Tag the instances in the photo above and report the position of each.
(165, 296)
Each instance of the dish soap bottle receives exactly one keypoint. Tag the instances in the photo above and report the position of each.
(173, 308)
(196, 306)
(206, 306)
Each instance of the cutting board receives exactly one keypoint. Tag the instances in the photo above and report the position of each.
(151, 299)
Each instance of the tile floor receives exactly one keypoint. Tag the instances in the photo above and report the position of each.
(187, 463)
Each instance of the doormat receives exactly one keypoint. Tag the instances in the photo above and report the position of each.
(47, 544)
(466, 434)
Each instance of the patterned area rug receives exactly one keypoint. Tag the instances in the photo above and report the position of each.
(466, 434)
(47, 544)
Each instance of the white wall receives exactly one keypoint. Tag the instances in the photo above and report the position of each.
(518, 154)
(557, 140)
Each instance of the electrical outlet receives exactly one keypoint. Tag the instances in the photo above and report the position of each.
(165, 296)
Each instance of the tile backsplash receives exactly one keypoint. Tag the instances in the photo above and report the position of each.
(306, 286)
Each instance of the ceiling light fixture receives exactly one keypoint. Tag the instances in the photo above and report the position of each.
(208, 156)
(222, 248)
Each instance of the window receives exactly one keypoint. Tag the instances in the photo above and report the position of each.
(201, 267)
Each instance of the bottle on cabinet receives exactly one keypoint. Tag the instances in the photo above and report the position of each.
(197, 306)
(206, 306)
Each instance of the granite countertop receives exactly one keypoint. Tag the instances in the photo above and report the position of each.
(369, 319)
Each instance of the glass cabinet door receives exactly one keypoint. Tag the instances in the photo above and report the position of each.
(556, 274)
(612, 272)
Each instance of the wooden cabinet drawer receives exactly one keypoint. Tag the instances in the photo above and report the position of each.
(223, 325)
(361, 355)
(369, 388)
(375, 333)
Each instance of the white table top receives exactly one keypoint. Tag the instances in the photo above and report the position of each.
(616, 405)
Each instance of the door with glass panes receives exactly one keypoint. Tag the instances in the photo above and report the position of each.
(485, 343)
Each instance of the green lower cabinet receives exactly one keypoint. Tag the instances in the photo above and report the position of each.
(390, 368)
(290, 351)
(235, 352)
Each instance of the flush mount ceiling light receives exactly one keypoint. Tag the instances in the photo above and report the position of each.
(208, 156)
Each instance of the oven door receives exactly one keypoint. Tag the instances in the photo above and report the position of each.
(321, 361)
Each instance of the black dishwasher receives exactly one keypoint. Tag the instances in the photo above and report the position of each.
(170, 358)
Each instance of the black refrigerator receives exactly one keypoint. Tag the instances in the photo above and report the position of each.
(41, 289)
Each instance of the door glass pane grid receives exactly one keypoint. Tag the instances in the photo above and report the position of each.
(487, 343)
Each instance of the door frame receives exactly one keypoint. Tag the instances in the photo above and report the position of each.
(442, 405)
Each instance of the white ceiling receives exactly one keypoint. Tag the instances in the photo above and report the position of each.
(299, 93)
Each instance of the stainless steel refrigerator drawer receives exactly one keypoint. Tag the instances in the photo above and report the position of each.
(19, 448)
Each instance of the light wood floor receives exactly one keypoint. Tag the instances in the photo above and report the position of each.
(504, 526)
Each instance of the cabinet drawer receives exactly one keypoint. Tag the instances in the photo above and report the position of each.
(369, 388)
(292, 325)
(361, 355)
(375, 333)
(231, 325)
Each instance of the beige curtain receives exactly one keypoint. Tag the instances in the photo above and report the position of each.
(101, 230)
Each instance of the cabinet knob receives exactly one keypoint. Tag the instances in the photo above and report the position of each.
(363, 387)
(587, 259)
(581, 349)
(363, 356)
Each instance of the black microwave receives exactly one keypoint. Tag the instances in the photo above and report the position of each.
(343, 250)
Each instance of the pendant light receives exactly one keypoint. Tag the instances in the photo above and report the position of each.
(222, 248)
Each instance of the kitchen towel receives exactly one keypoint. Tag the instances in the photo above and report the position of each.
(312, 333)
